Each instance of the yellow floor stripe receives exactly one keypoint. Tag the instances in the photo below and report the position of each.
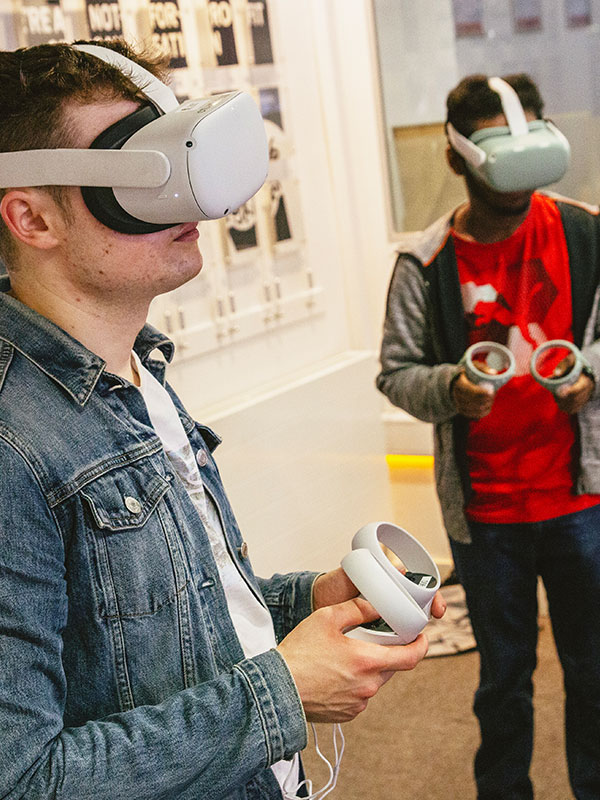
(396, 461)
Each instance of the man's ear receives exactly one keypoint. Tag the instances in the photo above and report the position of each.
(455, 160)
(33, 217)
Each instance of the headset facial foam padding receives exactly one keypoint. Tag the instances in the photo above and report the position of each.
(101, 201)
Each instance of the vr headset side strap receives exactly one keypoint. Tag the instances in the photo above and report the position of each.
(159, 94)
(582, 234)
(101, 201)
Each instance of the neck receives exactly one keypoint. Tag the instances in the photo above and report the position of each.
(107, 328)
(486, 226)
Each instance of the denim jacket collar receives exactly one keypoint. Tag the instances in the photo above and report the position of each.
(59, 355)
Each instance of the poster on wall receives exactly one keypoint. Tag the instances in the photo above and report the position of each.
(240, 227)
(220, 14)
(270, 107)
(167, 34)
(42, 22)
(578, 13)
(279, 144)
(468, 17)
(104, 20)
(527, 15)
(279, 214)
(258, 18)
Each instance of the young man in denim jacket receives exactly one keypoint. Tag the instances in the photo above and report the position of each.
(122, 672)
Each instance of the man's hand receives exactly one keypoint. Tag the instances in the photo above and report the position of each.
(335, 587)
(335, 675)
(572, 399)
(471, 400)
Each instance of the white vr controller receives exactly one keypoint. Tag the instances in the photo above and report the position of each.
(402, 600)
(497, 358)
(556, 383)
(501, 363)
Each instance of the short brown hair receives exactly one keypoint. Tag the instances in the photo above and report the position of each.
(36, 86)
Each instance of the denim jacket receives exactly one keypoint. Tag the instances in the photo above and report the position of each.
(121, 675)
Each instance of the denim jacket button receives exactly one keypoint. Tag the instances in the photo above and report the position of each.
(133, 505)
(243, 550)
(201, 458)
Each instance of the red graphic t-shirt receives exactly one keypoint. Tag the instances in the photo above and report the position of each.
(517, 292)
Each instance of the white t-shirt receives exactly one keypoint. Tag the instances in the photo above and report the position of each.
(251, 620)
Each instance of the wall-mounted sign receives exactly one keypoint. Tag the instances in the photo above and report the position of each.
(258, 18)
(42, 22)
(279, 213)
(220, 15)
(104, 19)
(468, 17)
(578, 13)
(270, 108)
(167, 35)
(241, 227)
(527, 15)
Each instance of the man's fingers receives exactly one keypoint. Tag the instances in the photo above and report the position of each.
(404, 656)
(353, 612)
(438, 606)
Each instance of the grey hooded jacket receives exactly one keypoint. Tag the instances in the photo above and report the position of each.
(425, 336)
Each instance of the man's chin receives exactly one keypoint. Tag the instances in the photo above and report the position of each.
(514, 210)
(505, 204)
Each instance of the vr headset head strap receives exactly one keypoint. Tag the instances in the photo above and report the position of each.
(473, 154)
(159, 94)
(155, 168)
(511, 106)
(515, 117)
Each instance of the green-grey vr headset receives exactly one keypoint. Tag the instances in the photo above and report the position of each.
(164, 164)
(515, 157)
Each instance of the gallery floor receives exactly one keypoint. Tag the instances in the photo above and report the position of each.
(417, 736)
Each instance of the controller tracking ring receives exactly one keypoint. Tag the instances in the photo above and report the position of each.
(499, 358)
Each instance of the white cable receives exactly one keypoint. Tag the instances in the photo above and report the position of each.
(334, 770)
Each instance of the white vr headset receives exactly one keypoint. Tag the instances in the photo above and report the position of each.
(164, 164)
(518, 157)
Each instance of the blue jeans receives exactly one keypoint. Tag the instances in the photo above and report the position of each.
(499, 572)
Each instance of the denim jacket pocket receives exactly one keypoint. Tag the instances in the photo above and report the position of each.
(135, 547)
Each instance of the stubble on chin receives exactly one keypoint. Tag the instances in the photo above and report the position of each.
(514, 211)
(497, 202)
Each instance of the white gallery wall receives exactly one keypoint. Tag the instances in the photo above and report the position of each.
(316, 438)
(277, 339)
(332, 55)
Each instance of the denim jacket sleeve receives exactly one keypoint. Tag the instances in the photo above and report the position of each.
(288, 598)
(204, 741)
